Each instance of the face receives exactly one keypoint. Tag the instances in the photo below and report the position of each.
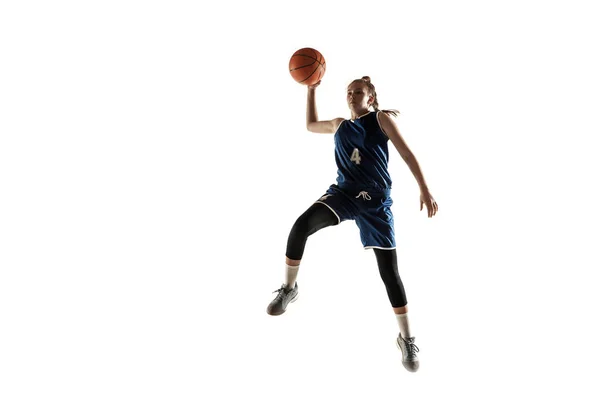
(358, 97)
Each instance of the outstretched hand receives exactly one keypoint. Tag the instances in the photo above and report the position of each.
(430, 203)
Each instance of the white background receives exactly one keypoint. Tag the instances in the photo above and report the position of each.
(153, 157)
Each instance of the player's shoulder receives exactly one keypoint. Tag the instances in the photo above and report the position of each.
(337, 122)
(382, 116)
(384, 121)
(385, 118)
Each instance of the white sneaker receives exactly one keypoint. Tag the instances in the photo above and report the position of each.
(409, 353)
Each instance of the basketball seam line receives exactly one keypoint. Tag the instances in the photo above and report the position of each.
(311, 57)
(302, 66)
(311, 74)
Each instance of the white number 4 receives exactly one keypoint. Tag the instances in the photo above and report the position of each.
(355, 156)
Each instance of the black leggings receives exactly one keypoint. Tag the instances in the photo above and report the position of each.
(319, 216)
(387, 261)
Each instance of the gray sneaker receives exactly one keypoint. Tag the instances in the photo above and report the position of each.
(409, 353)
(284, 297)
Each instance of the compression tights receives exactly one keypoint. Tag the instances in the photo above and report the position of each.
(319, 216)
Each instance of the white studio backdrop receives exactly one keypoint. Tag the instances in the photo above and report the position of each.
(154, 156)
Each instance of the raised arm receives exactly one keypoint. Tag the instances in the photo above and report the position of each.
(312, 118)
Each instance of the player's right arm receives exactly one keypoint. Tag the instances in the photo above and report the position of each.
(312, 119)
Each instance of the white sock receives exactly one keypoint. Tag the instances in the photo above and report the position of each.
(291, 273)
(403, 324)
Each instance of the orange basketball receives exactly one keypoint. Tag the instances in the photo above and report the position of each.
(307, 66)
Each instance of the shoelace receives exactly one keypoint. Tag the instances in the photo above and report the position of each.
(365, 195)
(280, 292)
(411, 347)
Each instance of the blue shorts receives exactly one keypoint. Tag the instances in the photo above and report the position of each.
(369, 208)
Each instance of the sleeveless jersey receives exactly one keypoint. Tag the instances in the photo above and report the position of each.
(361, 154)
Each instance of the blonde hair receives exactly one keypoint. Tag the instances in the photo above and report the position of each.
(371, 88)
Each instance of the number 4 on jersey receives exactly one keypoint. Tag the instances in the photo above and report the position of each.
(355, 157)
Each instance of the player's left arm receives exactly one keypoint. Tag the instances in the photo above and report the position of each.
(389, 127)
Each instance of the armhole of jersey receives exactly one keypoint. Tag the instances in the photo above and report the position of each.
(338, 127)
(379, 124)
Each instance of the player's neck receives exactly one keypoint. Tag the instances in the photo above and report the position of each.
(359, 114)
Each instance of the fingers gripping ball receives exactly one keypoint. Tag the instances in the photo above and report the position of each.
(307, 66)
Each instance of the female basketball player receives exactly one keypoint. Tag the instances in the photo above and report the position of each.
(362, 194)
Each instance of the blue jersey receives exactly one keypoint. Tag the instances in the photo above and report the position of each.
(361, 154)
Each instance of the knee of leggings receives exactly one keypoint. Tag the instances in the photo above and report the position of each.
(315, 218)
(300, 227)
(306, 225)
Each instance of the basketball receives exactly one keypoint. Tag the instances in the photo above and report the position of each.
(307, 66)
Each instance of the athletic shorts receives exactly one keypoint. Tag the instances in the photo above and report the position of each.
(369, 208)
